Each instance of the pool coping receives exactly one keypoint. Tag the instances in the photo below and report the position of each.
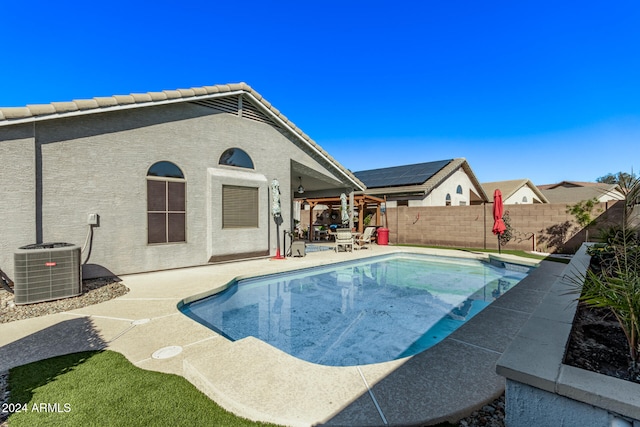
(259, 382)
(370, 393)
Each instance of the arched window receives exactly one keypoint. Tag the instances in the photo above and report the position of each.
(459, 189)
(524, 199)
(165, 170)
(166, 203)
(447, 200)
(236, 157)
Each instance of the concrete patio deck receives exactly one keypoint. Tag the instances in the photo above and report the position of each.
(259, 382)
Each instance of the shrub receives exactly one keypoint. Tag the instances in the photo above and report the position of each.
(616, 286)
(613, 281)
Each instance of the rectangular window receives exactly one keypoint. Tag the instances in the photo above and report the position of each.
(157, 223)
(239, 207)
(166, 211)
(156, 196)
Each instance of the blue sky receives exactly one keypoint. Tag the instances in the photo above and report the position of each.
(544, 90)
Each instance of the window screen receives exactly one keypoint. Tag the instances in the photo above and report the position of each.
(239, 207)
(166, 204)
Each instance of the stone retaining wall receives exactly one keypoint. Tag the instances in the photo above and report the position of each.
(543, 391)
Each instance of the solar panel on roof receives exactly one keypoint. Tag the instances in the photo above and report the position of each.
(400, 175)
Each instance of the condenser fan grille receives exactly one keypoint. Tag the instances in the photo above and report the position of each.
(46, 272)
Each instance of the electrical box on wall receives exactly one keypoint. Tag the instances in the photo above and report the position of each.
(92, 219)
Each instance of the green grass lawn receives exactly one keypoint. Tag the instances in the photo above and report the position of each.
(104, 389)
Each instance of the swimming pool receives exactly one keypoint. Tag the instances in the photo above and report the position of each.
(357, 312)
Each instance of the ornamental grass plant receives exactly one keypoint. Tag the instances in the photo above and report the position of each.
(613, 280)
(616, 287)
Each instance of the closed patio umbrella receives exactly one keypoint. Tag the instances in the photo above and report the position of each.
(344, 212)
(276, 210)
(296, 210)
(498, 210)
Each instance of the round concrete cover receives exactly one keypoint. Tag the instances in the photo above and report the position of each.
(167, 352)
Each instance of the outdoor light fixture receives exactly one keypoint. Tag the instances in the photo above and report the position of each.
(300, 187)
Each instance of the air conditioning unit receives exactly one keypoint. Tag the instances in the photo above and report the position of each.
(46, 271)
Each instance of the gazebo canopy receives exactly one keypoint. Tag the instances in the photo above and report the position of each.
(361, 201)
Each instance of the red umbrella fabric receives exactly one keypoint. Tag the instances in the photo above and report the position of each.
(498, 210)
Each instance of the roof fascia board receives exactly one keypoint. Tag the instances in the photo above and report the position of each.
(441, 176)
(416, 190)
(480, 191)
(537, 192)
(120, 107)
(510, 187)
(448, 170)
(304, 140)
(517, 186)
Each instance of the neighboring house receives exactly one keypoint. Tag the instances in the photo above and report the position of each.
(515, 192)
(440, 183)
(572, 192)
(173, 179)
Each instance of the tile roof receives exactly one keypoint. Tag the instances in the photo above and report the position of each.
(573, 184)
(37, 112)
(509, 187)
(577, 191)
(10, 115)
(578, 194)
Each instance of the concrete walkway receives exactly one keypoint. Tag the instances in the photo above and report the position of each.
(259, 382)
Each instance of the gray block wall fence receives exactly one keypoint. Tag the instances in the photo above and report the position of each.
(470, 226)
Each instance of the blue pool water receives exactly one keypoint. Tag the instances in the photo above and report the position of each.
(357, 312)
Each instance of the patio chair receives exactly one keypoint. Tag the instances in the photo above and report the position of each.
(345, 239)
(365, 239)
(331, 234)
(320, 233)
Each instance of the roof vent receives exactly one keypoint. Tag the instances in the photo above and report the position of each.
(46, 271)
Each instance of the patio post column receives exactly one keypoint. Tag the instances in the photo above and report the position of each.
(310, 234)
(351, 202)
(361, 208)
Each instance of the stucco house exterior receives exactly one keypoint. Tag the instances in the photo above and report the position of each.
(440, 183)
(516, 191)
(157, 180)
